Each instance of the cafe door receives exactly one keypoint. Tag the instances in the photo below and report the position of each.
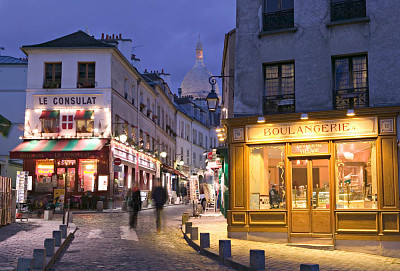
(311, 208)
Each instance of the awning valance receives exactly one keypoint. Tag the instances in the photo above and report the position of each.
(63, 148)
(83, 114)
(50, 114)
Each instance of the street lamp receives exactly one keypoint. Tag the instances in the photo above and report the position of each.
(163, 154)
(212, 97)
(123, 138)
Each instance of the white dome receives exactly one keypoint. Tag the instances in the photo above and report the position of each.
(195, 82)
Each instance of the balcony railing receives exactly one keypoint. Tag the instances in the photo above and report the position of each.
(350, 98)
(86, 84)
(52, 84)
(277, 104)
(348, 9)
(278, 20)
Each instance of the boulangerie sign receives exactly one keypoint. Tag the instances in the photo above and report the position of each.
(345, 128)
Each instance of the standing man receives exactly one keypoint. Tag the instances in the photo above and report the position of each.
(160, 198)
(136, 206)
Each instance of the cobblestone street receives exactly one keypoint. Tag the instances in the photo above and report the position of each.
(104, 242)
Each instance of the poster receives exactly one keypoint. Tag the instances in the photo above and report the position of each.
(59, 194)
(103, 183)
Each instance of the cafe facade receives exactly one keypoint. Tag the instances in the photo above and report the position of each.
(331, 179)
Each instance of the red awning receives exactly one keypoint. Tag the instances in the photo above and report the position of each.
(63, 148)
(83, 114)
(50, 114)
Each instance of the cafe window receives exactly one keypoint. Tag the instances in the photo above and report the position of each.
(67, 122)
(87, 174)
(44, 171)
(356, 179)
(84, 121)
(52, 75)
(50, 120)
(267, 177)
(86, 75)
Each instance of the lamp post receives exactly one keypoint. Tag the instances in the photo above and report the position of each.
(212, 97)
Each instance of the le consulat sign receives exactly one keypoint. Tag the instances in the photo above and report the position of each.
(344, 128)
(68, 100)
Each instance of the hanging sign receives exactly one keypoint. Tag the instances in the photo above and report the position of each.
(344, 128)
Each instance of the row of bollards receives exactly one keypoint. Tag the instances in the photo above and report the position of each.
(257, 256)
(39, 255)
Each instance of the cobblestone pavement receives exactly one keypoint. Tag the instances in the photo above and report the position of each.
(282, 257)
(20, 238)
(104, 242)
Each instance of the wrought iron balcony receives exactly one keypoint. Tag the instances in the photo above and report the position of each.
(350, 98)
(278, 20)
(348, 9)
(277, 104)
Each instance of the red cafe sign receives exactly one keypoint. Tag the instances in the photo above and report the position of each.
(344, 128)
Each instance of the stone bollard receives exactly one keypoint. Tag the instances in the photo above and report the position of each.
(224, 249)
(99, 206)
(309, 267)
(185, 218)
(63, 229)
(57, 238)
(39, 258)
(24, 264)
(70, 217)
(188, 227)
(204, 240)
(49, 245)
(194, 233)
(48, 215)
(257, 259)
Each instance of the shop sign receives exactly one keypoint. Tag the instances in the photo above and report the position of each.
(103, 183)
(343, 128)
(124, 155)
(68, 100)
(310, 148)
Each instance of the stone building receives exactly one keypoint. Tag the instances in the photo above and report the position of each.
(313, 139)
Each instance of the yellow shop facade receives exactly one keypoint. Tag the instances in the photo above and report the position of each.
(329, 180)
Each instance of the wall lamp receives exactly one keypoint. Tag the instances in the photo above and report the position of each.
(261, 120)
(350, 112)
(304, 116)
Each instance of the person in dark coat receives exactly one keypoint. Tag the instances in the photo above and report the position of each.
(160, 198)
(136, 206)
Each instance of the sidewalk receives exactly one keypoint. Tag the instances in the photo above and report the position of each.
(20, 238)
(282, 257)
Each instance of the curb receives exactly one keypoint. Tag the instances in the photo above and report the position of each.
(205, 252)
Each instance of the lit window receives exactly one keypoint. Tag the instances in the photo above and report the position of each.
(67, 122)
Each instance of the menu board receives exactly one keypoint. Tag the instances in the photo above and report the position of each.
(22, 186)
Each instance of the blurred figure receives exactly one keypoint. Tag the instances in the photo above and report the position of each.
(160, 198)
(136, 205)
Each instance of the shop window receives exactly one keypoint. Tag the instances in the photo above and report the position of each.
(44, 171)
(50, 121)
(267, 177)
(356, 180)
(84, 121)
(67, 122)
(86, 75)
(87, 174)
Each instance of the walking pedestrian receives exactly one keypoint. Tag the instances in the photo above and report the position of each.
(160, 198)
(136, 206)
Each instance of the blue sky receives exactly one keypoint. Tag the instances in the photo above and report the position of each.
(164, 31)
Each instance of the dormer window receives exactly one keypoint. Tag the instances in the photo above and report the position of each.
(86, 75)
(52, 75)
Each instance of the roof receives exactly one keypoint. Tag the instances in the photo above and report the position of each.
(12, 60)
(152, 76)
(78, 39)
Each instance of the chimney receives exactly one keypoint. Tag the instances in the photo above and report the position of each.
(102, 36)
(106, 37)
(113, 36)
(145, 70)
(162, 71)
(120, 36)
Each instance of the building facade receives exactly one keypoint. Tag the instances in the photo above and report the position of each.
(313, 141)
(13, 75)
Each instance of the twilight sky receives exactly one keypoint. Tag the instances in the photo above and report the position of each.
(165, 32)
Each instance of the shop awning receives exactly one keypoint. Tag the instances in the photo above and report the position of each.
(83, 114)
(50, 114)
(63, 148)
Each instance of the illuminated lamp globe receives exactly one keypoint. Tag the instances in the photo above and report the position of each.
(181, 162)
(123, 138)
(163, 154)
(212, 100)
